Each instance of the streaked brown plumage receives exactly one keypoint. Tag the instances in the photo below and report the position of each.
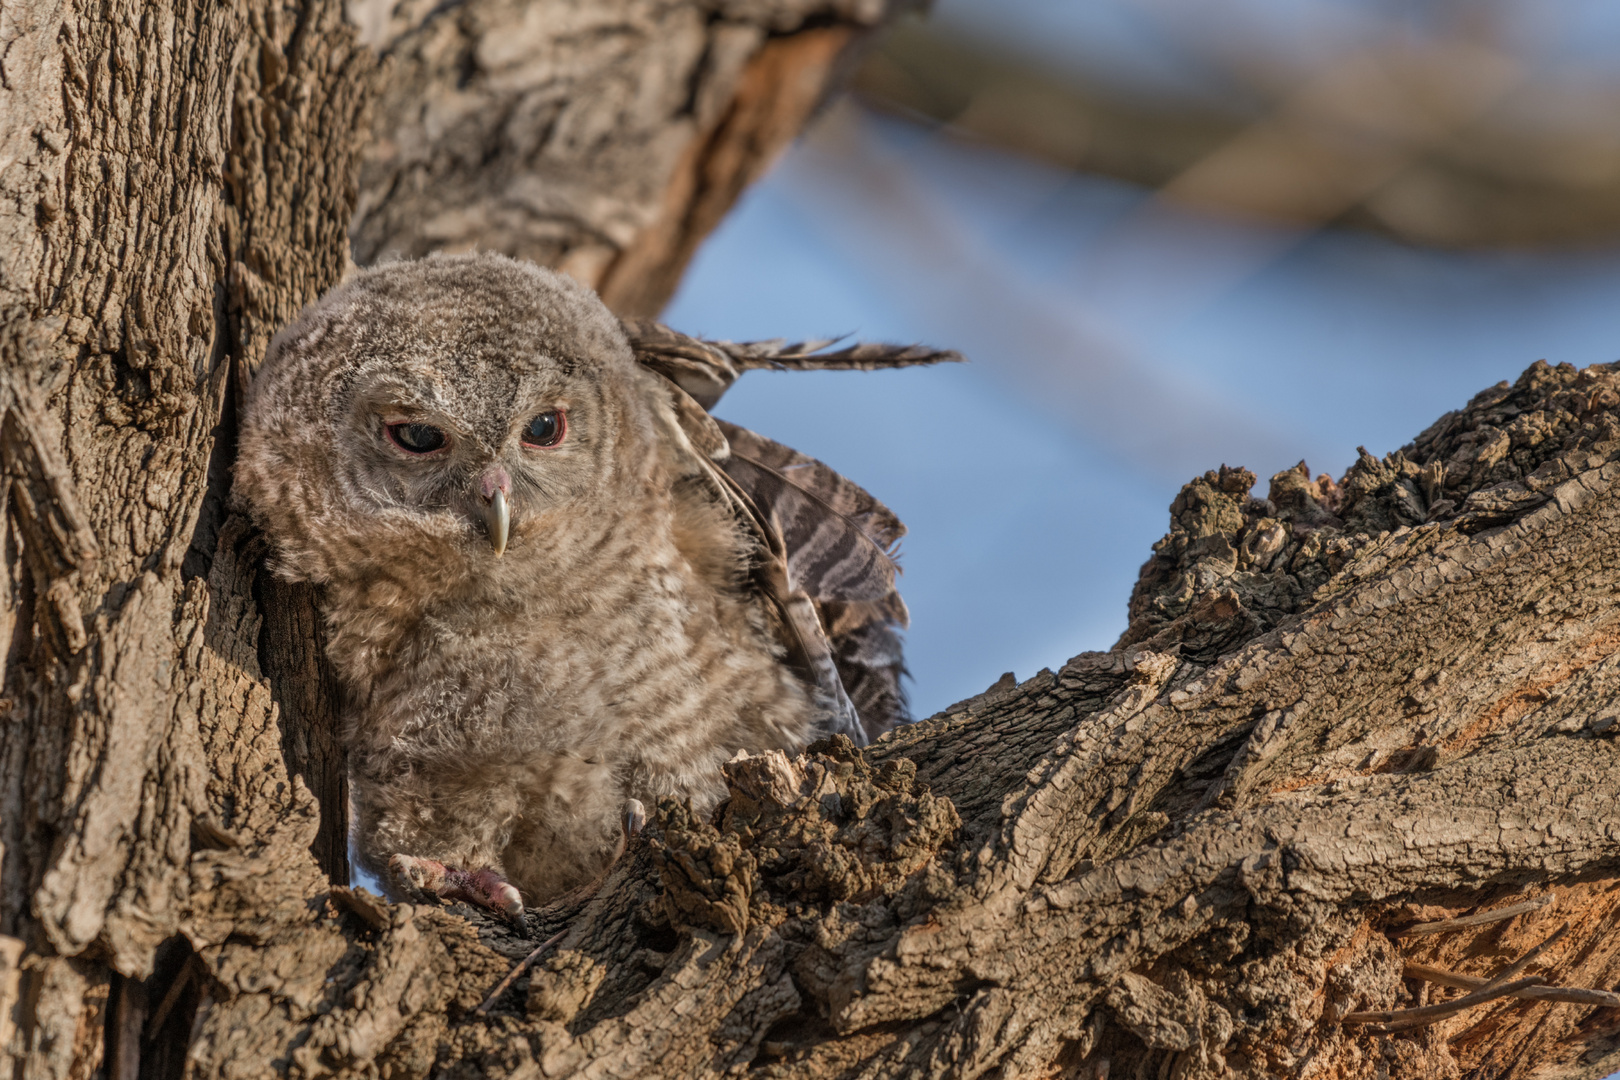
(673, 589)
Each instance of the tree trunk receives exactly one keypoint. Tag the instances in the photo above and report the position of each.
(1339, 713)
(178, 180)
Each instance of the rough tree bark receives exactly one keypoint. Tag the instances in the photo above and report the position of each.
(1339, 711)
(176, 180)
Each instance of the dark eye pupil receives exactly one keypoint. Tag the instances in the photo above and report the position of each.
(542, 430)
(417, 438)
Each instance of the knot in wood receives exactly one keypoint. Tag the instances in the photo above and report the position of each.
(564, 985)
(707, 876)
(827, 826)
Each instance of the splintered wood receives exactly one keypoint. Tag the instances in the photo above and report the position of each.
(1499, 985)
(1480, 991)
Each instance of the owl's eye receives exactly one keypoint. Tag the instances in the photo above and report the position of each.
(547, 429)
(417, 438)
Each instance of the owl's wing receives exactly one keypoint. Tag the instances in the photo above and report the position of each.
(706, 369)
(820, 556)
(840, 540)
(831, 543)
(840, 545)
(865, 639)
(790, 614)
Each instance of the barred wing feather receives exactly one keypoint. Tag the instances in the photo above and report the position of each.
(826, 547)
(840, 540)
(706, 369)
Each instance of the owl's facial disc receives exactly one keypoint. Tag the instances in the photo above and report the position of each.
(470, 466)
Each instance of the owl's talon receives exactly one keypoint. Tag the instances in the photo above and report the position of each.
(507, 900)
(484, 888)
(635, 818)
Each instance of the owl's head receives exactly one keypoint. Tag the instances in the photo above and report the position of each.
(429, 417)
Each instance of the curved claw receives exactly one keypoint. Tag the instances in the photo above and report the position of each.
(498, 894)
(635, 818)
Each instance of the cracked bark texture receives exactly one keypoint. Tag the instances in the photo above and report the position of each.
(1340, 709)
(605, 139)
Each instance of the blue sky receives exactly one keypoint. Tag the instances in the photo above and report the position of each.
(1117, 349)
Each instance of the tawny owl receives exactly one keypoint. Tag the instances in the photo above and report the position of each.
(553, 584)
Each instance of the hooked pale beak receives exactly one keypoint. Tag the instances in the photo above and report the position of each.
(493, 484)
(497, 519)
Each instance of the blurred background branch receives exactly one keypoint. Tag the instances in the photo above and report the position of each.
(1443, 131)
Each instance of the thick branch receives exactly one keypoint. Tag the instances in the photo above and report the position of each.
(607, 142)
(1203, 860)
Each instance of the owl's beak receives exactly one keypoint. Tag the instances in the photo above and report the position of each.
(497, 520)
(493, 484)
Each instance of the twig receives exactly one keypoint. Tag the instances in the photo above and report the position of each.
(1482, 918)
(522, 966)
(1524, 961)
(1401, 1019)
(1571, 994)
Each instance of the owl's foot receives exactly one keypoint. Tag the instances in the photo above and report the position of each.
(484, 888)
(488, 889)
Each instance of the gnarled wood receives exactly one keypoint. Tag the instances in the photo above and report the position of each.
(177, 180)
(1144, 860)
(1340, 710)
(1201, 865)
(605, 139)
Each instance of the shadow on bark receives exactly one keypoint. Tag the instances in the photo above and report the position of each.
(1342, 712)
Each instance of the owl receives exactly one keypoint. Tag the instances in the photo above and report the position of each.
(555, 588)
